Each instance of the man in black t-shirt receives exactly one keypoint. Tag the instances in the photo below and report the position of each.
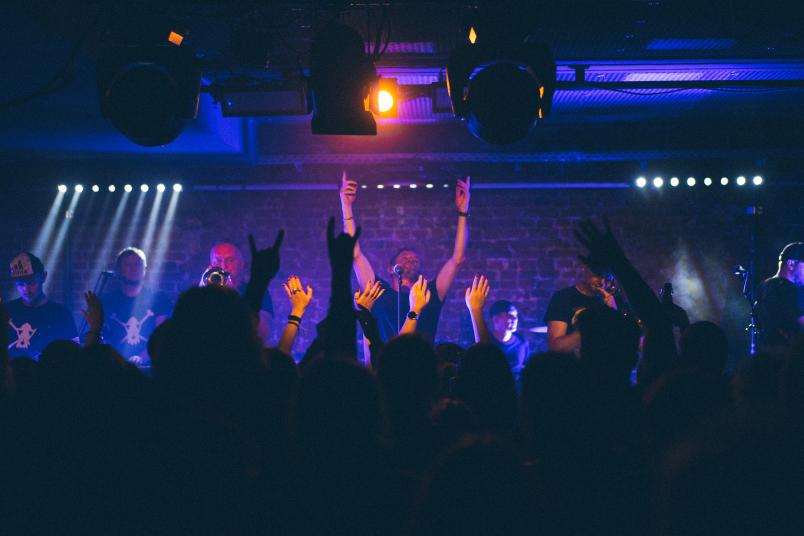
(504, 323)
(780, 299)
(132, 311)
(594, 291)
(409, 266)
(226, 255)
(34, 320)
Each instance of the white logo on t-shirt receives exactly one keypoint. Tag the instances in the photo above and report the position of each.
(133, 329)
(24, 335)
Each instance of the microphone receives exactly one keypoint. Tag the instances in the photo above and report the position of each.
(397, 269)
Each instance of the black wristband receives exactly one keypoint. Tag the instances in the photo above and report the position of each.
(412, 315)
(463, 214)
(294, 317)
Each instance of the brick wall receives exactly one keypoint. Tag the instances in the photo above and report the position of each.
(521, 239)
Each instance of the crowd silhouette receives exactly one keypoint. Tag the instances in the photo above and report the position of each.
(230, 437)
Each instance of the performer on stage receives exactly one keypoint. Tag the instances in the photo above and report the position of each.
(385, 309)
(780, 299)
(226, 255)
(504, 324)
(132, 311)
(593, 291)
(34, 320)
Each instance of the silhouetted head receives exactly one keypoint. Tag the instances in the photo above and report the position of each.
(609, 344)
(408, 374)
(337, 407)
(704, 348)
(485, 384)
(556, 403)
(212, 337)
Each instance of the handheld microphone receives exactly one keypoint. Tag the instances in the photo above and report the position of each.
(397, 269)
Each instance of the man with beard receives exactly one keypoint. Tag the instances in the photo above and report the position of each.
(132, 311)
(408, 265)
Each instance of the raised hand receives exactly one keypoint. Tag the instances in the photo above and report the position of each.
(462, 194)
(604, 250)
(340, 248)
(265, 262)
(299, 299)
(368, 297)
(348, 191)
(419, 295)
(93, 314)
(476, 294)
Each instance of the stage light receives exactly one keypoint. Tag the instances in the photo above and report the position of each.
(128, 188)
(363, 186)
(757, 180)
(62, 188)
(340, 80)
(380, 186)
(175, 38)
(429, 186)
(501, 89)
(385, 101)
(95, 188)
(160, 187)
(658, 182)
(691, 181)
(446, 185)
(708, 181)
(144, 188)
(383, 97)
(79, 188)
(641, 182)
(397, 186)
(472, 35)
(413, 186)
(740, 181)
(724, 181)
(674, 181)
(148, 86)
(177, 187)
(112, 188)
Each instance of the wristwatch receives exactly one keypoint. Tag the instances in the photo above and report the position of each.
(413, 315)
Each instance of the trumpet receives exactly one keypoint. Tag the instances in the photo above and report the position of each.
(215, 275)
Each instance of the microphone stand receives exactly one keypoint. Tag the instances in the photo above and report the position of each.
(398, 301)
(100, 285)
(753, 325)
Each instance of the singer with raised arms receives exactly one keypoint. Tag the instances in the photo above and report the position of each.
(404, 269)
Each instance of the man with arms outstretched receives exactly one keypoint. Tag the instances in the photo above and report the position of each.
(385, 309)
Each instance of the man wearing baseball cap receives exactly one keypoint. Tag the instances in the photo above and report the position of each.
(780, 299)
(34, 320)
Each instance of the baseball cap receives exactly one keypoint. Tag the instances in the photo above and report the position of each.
(794, 251)
(26, 265)
(501, 307)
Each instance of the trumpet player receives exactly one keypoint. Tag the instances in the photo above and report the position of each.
(228, 257)
(596, 289)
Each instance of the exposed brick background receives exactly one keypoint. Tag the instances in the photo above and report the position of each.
(521, 239)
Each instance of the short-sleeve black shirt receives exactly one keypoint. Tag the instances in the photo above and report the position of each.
(780, 303)
(384, 311)
(565, 303)
(131, 321)
(33, 328)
